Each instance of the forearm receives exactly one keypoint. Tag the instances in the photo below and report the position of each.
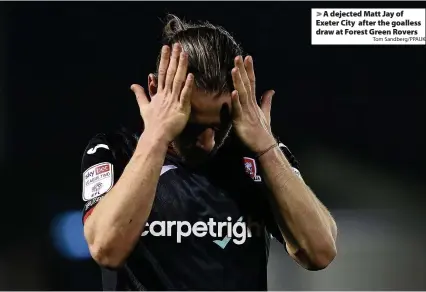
(119, 218)
(328, 218)
(304, 223)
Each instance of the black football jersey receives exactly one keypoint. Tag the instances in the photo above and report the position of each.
(209, 228)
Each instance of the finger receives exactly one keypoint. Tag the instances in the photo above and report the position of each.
(266, 103)
(185, 96)
(239, 85)
(180, 77)
(171, 71)
(141, 97)
(248, 63)
(162, 68)
(237, 110)
(239, 63)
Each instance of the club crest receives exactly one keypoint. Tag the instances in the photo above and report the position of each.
(251, 169)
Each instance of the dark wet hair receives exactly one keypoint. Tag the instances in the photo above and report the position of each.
(211, 52)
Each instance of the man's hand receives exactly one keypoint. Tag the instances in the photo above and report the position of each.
(252, 123)
(168, 112)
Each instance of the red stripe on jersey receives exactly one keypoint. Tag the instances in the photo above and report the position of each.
(88, 214)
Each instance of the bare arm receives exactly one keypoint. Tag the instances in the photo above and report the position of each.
(307, 226)
(118, 220)
(328, 217)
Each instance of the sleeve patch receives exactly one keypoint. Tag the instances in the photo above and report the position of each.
(97, 180)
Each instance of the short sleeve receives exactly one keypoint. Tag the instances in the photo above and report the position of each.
(98, 172)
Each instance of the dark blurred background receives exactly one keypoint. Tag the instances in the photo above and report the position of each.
(353, 116)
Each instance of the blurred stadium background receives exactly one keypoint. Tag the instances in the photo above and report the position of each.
(354, 117)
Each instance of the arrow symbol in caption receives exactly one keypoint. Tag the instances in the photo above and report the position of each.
(318, 13)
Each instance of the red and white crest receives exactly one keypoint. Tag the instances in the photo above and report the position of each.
(251, 169)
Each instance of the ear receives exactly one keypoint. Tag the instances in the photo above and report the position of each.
(152, 85)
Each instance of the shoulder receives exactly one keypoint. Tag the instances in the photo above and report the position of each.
(104, 159)
(115, 146)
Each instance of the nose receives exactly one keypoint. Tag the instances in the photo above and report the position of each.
(205, 140)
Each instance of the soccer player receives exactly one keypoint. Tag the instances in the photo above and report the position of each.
(192, 202)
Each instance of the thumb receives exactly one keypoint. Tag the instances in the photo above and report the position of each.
(266, 102)
(141, 97)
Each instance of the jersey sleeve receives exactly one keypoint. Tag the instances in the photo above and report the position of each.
(98, 172)
(271, 223)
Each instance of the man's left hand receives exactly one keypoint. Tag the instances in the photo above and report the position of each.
(252, 123)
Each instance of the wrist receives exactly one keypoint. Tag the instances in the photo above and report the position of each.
(153, 140)
(157, 135)
(262, 143)
(274, 153)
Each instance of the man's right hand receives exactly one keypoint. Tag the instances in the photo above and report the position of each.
(117, 222)
(168, 112)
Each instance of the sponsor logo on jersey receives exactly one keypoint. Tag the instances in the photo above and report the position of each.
(97, 180)
(102, 169)
(251, 169)
(94, 149)
(221, 232)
